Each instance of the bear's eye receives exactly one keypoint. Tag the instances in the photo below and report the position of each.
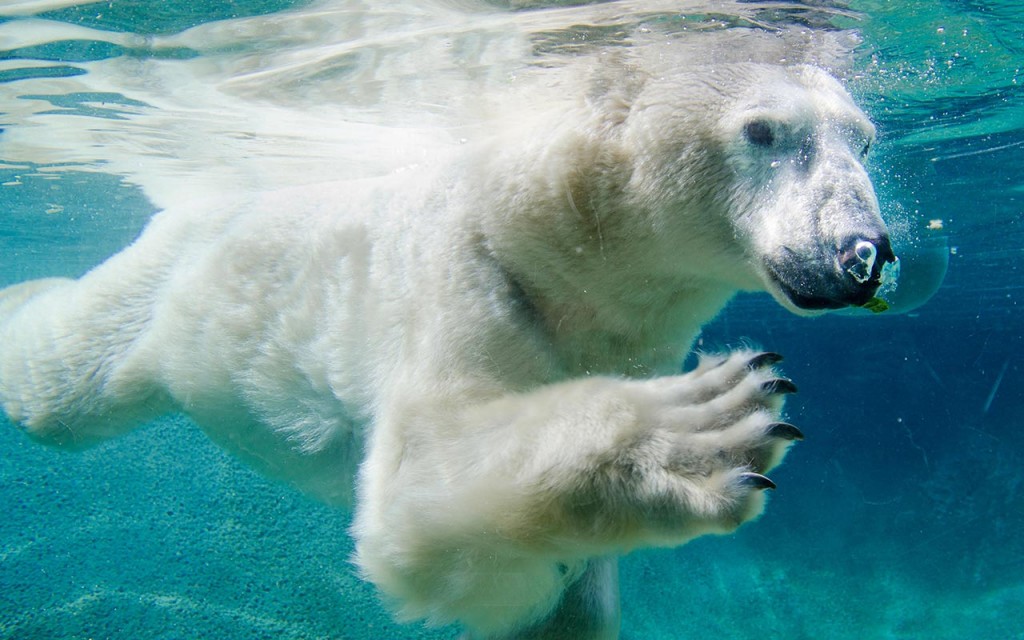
(759, 133)
(865, 150)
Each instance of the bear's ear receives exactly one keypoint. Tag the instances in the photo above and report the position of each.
(612, 88)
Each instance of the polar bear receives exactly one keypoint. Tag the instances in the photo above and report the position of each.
(482, 358)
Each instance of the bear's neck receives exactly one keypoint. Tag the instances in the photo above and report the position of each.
(557, 218)
(640, 332)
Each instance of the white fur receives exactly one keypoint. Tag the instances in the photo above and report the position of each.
(478, 339)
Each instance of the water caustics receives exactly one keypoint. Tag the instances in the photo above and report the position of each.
(336, 89)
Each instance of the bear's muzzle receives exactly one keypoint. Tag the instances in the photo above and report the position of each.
(853, 279)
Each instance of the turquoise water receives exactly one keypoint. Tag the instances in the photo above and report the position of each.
(901, 516)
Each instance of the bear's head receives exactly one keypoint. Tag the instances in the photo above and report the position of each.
(755, 173)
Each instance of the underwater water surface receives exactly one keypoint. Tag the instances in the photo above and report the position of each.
(900, 516)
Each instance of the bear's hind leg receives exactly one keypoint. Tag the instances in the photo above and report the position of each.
(13, 296)
(65, 375)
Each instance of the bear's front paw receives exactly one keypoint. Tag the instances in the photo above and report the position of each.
(704, 441)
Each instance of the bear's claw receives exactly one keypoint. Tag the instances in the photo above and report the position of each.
(723, 422)
(778, 385)
(766, 359)
(756, 480)
(784, 430)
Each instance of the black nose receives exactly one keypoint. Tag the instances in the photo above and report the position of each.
(861, 260)
(849, 277)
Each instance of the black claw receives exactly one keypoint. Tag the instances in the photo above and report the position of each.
(765, 359)
(779, 385)
(785, 430)
(756, 480)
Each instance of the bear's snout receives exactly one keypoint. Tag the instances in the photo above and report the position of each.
(860, 262)
(852, 280)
